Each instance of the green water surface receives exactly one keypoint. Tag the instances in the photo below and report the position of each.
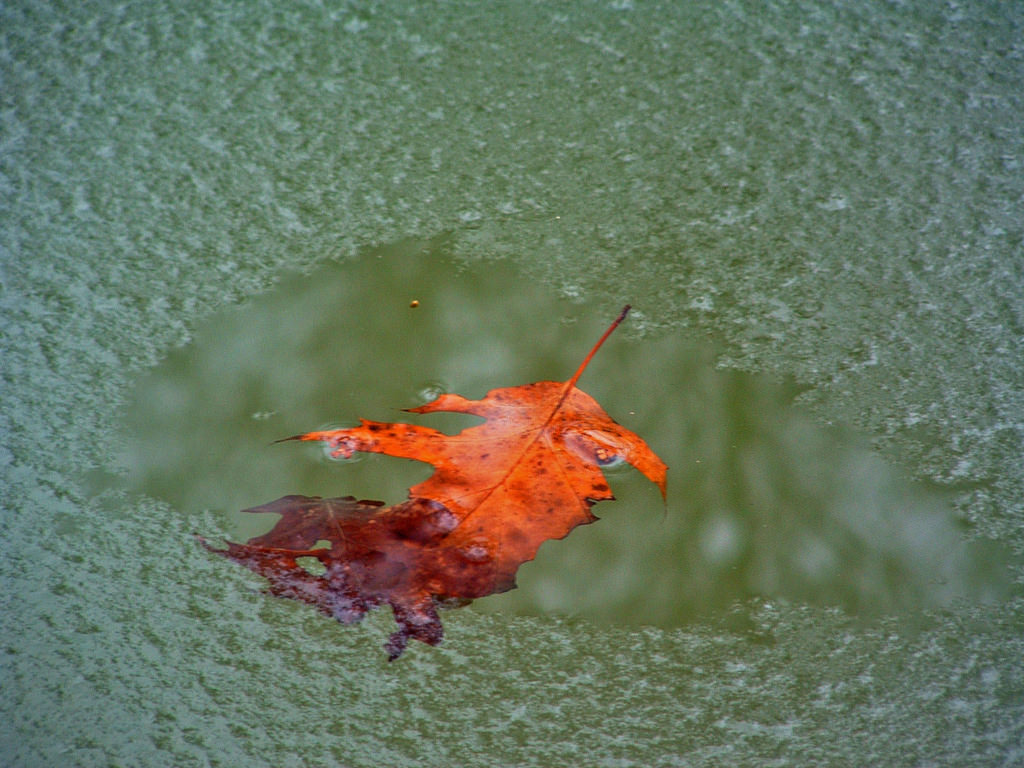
(764, 502)
(213, 219)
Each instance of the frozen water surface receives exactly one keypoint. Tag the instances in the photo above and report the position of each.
(823, 195)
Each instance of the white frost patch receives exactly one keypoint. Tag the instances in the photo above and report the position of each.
(835, 203)
(355, 25)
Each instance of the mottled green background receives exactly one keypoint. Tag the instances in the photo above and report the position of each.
(213, 220)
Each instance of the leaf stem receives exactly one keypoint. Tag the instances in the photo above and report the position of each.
(615, 324)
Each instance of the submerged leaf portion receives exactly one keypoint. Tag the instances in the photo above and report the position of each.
(529, 473)
(376, 555)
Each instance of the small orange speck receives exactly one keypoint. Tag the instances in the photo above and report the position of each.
(414, 303)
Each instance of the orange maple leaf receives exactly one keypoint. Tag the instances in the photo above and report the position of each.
(529, 473)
